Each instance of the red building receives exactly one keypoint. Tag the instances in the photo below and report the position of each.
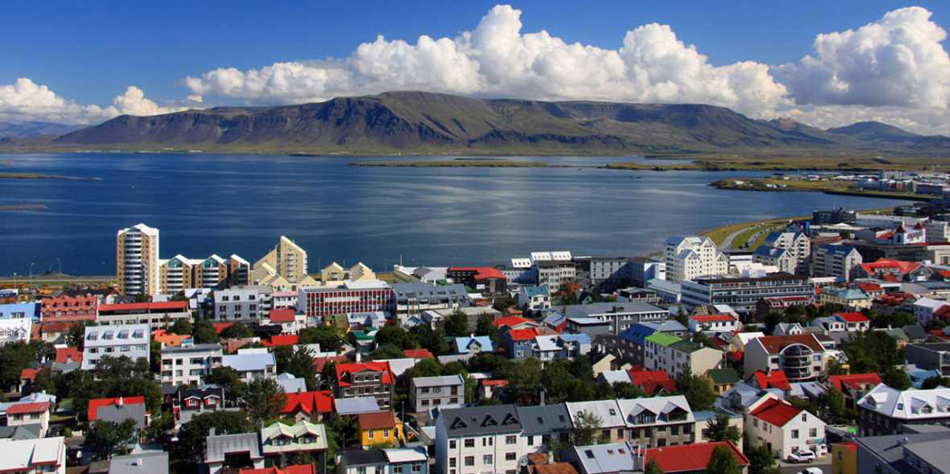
(487, 280)
(321, 302)
(66, 309)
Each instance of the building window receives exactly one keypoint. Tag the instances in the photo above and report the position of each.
(451, 462)
(470, 443)
(487, 459)
(794, 434)
(452, 444)
(469, 460)
(510, 456)
(813, 432)
(512, 439)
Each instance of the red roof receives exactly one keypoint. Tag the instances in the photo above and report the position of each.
(653, 380)
(943, 312)
(29, 374)
(298, 469)
(854, 380)
(523, 334)
(285, 315)
(343, 370)
(282, 340)
(481, 273)
(320, 362)
(22, 408)
(160, 306)
(775, 344)
(774, 379)
(510, 321)
(495, 383)
(376, 421)
(712, 318)
(97, 403)
(689, 457)
(887, 264)
(220, 327)
(309, 402)
(776, 412)
(68, 354)
(870, 287)
(418, 354)
(853, 317)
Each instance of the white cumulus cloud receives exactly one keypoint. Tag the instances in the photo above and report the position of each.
(25, 100)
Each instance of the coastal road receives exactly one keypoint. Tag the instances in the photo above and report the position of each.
(727, 242)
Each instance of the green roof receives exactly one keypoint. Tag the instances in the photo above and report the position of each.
(363, 336)
(724, 376)
(687, 346)
(896, 333)
(663, 339)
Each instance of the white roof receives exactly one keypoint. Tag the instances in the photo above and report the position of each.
(406, 455)
(561, 255)
(913, 404)
(248, 362)
(616, 376)
(540, 256)
(547, 343)
(656, 405)
(745, 337)
(929, 303)
(24, 453)
(607, 410)
(521, 263)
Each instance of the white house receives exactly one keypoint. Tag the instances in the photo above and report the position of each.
(479, 439)
(12, 330)
(33, 456)
(534, 298)
(252, 363)
(784, 429)
(713, 323)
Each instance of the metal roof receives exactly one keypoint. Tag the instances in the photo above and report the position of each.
(545, 419)
(481, 420)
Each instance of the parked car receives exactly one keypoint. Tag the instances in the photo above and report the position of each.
(802, 456)
(811, 470)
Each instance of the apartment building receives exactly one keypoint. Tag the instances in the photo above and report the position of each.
(286, 260)
(618, 316)
(155, 315)
(474, 440)
(247, 304)
(188, 364)
(852, 298)
(923, 452)
(930, 356)
(66, 309)
(130, 341)
(15, 330)
(802, 357)
(352, 297)
(553, 274)
(795, 243)
(177, 274)
(444, 391)
(280, 441)
(655, 422)
(366, 379)
(688, 258)
(385, 461)
(415, 298)
(644, 269)
(485, 280)
(784, 429)
(608, 273)
(677, 357)
(543, 424)
(137, 269)
(742, 294)
(212, 272)
(885, 410)
(835, 260)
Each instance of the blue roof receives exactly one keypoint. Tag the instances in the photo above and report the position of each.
(463, 344)
(534, 290)
(579, 338)
(555, 319)
(847, 293)
(838, 249)
(640, 331)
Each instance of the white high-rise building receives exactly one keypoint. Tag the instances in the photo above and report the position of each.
(137, 265)
(694, 256)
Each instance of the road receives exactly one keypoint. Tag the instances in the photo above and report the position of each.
(824, 464)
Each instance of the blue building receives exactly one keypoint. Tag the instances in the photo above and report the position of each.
(20, 310)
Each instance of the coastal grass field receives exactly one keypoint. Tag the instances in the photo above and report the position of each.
(825, 186)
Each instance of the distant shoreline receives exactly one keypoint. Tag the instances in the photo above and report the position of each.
(45, 176)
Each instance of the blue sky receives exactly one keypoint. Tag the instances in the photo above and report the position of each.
(88, 52)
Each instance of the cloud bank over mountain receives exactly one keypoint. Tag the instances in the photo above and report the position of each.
(894, 69)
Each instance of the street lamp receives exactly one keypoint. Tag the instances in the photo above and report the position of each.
(31, 270)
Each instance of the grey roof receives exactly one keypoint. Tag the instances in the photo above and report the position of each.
(605, 458)
(586, 310)
(20, 432)
(142, 463)
(933, 452)
(438, 381)
(445, 359)
(428, 290)
(188, 349)
(291, 384)
(220, 445)
(363, 458)
(544, 419)
(481, 420)
(356, 405)
(915, 332)
(890, 448)
(120, 413)
(248, 362)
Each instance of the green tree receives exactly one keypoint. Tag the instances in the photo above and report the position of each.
(697, 390)
(160, 425)
(300, 363)
(872, 351)
(432, 339)
(182, 327)
(896, 378)
(396, 336)
(228, 379)
(264, 399)
(653, 467)
(720, 429)
(205, 333)
(484, 326)
(628, 390)
(761, 460)
(935, 381)
(386, 351)
(106, 439)
(76, 337)
(587, 429)
(456, 325)
(723, 461)
(237, 331)
(328, 338)
(192, 436)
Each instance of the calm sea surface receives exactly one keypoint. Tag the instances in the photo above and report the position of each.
(241, 204)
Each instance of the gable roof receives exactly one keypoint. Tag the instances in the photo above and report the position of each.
(542, 419)
(96, 403)
(652, 380)
(853, 380)
(775, 344)
(344, 370)
(773, 379)
(776, 412)
(318, 401)
(690, 457)
(68, 354)
(511, 321)
(418, 354)
(853, 317)
(522, 334)
(24, 408)
(481, 420)
(376, 421)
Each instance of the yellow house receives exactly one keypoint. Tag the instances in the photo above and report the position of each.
(844, 458)
(380, 428)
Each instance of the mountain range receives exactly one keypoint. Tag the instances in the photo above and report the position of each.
(430, 123)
